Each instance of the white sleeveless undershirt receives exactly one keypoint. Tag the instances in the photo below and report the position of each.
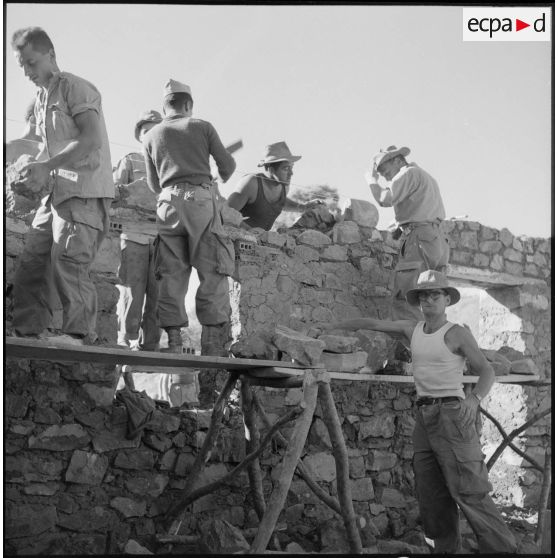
(437, 371)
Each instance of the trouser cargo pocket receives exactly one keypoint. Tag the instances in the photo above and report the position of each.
(472, 471)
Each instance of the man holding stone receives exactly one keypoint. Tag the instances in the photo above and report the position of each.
(448, 462)
(419, 212)
(72, 220)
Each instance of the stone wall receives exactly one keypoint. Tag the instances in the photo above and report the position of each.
(75, 483)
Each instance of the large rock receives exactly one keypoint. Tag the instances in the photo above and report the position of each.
(362, 489)
(524, 366)
(128, 507)
(346, 232)
(147, 484)
(135, 459)
(321, 466)
(362, 212)
(392, 498)
(254, 347)
(318, 217)
(86, 468)
(339, 344)
(313, 238)
(134, 547)
(221, 537)
(26, 520)
(60, 438)
(302, 349)
(350, 362)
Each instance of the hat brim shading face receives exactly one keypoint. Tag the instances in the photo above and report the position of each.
(270, 160)
(385, 156)
(412, 296)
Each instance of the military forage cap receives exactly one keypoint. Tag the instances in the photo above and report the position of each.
(173, 86)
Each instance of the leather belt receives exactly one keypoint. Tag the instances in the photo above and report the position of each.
(432, 400)
(408, 227)
(188, 186)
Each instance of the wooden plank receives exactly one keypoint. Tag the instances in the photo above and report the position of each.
(33, 348)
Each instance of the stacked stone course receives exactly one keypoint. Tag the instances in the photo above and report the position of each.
(75, 484)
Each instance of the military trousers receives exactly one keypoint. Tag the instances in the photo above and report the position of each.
(59, 250)
(424, 246)
(136, 310)
(449, 473)
(185, 215)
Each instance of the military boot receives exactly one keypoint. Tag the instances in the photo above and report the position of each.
(214, 339)
(175, 340)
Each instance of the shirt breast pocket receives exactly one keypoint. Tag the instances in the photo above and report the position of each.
(63, 124)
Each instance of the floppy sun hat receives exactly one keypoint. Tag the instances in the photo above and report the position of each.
(276, 152)
(385, 155)
(148, 116)
(431, 280)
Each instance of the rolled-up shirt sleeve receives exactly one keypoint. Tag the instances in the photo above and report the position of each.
(82, 97)
(224, 160)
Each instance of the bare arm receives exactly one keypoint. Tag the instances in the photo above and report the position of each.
(381, 195)
(246, 193)
(405, 327)
(460, 340)
(88, 140)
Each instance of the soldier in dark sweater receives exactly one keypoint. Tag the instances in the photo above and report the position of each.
(190, 230)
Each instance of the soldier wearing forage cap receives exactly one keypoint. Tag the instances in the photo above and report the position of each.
(419, 212)
(177, 153)
(261, 197)
(137, 320)
(448, 462)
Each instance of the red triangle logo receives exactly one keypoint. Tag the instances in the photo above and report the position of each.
(519, 25)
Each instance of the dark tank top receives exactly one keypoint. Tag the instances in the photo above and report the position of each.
(262, 213)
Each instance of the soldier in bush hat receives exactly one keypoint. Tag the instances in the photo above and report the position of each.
(419, 212)
(448, 462)
(177, 154)
(262, 196)
(136, 310)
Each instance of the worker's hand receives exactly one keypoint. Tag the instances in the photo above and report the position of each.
(34, 175)
(468, 412)
(371, 176)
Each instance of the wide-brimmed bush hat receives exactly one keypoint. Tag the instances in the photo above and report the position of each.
(385, 155)
(147, 116)
(277, 152)
(431, 280)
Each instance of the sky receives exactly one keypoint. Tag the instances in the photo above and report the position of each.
(337, 83)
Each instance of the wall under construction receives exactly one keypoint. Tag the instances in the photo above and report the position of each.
(75, 483)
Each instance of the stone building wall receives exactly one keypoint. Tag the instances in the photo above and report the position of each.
(74, 482)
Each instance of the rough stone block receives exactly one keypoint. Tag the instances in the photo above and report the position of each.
(346, 232)
(302, 349)
(135, 459)
(306, 254)
(91, 519)
(313, 238)
(506, 237)
(60, 438)
(86, 468)
(99, 395)
(221, 537)
(335, 253)
(362, 489)
(108, 441)
(147, 483)
(362, 212)
(321, 466)
(16, 405)
(351, 362)
(273, 238)
(469, 240)
(26, 520)
(490, 246)
(382, 425)
(157, 442)
(128, 507)
(392, 498)
(513, 255)
(523, 366)
(339, 344)
(333, 537)
(37, 489)
(379, 460)
(163, 422)
(134, 547)
(22, 470)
